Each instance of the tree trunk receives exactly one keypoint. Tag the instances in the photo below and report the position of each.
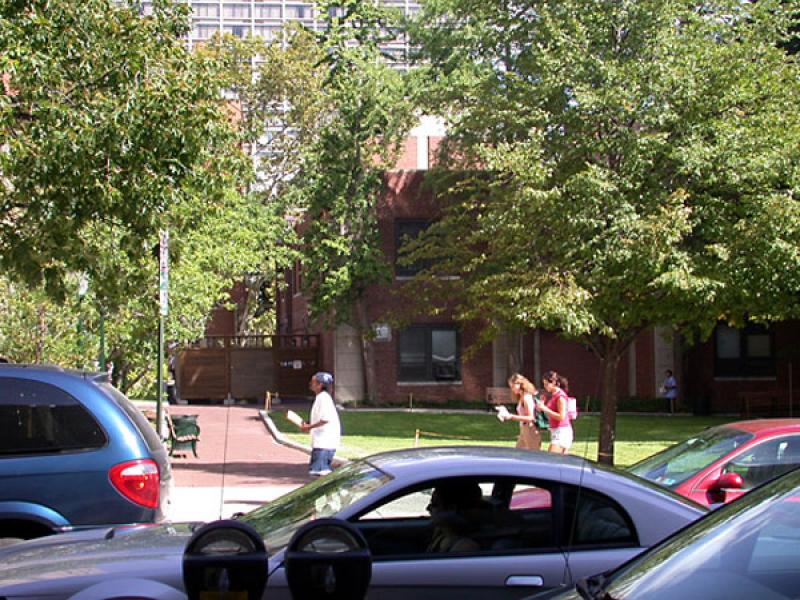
(608, 413)
(367, 351)
(513, 353)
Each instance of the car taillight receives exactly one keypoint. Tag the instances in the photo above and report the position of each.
(138, 481)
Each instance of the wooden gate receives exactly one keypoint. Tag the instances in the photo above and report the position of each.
(246, 367)
(296, 360)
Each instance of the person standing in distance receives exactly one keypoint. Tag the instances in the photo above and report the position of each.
(670, 390)
(324, 425)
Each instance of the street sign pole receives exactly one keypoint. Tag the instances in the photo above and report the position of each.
(163, 297)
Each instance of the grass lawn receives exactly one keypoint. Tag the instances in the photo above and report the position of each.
(367, 432)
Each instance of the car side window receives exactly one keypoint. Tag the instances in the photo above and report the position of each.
(37, 417)
(463, 516)
(766, 461)
(409, 506)
(591, 519)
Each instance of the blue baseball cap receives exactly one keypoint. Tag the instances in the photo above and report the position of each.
(324, 378)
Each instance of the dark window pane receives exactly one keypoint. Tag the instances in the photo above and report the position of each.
(36, 417)
(766, 461)
(406, 230)
(443, 354)
(743, 352)
(428, 353)
(412, 351)
(728, 342)
(598, 520)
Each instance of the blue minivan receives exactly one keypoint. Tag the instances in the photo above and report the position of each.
(75, 453)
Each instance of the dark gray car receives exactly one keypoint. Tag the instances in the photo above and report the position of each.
(538, 521)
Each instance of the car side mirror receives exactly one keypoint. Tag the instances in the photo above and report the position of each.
(726, 481)
(328, 559)
(225, 559)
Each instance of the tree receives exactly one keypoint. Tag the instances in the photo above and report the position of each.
(106, 121)
(367, 115)
(206, 260)
(615, 166)
(112, 130)
(278, 91)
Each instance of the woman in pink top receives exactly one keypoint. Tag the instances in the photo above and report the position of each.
(524, 392)
(555, 407)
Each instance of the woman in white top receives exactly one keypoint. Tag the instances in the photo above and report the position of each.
(525, 394)
(323, 423)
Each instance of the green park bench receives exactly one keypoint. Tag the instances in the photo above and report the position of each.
(184, 433)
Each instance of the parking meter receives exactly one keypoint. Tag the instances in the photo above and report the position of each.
(328, 559)
(225, 560)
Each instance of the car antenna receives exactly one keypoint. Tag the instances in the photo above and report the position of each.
(567, 568)
(228, 401)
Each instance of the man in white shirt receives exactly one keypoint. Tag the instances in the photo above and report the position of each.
(323, 423)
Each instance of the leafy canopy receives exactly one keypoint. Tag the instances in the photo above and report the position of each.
(366, 116)
(106, 122)
(615, 165)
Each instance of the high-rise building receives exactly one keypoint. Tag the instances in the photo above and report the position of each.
(266, 18)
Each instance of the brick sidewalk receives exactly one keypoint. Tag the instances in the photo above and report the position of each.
(239, 464)
(237, 450)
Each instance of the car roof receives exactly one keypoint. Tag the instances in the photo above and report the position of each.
(398, 461)
(31, 370)
(764, 425)
(444, 461)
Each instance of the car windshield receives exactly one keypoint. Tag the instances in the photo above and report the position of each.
(676, 464)
(326, 497)
(748, 549)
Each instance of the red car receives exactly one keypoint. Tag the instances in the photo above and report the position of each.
(722, 463)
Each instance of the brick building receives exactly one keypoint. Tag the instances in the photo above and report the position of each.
(746, 371)
(425, 360)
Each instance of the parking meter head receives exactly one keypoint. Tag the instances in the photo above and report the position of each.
(227, 559)
(328, 559)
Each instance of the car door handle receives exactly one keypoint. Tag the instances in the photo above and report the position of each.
(525, 581)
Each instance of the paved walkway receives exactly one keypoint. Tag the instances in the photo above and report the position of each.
(239, 465)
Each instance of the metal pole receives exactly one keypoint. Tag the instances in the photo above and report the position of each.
(163, 293)
(160, 377)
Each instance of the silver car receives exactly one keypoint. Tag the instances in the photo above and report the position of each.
(535, 521)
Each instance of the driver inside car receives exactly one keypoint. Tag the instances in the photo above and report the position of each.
(455, 509)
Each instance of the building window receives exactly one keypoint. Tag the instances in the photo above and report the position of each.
(237, 30)
(205, 10)
(405, 230)
(268, 33)
(203, 32)
(236, 11)
(428, 353)
(296, 11)
(268, 12)
(746, 352)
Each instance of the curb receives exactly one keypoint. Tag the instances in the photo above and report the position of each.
(283, 440)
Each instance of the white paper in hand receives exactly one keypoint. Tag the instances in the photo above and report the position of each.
(502, 412)
(294, 417)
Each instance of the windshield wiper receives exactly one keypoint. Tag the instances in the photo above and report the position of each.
(593, 588)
